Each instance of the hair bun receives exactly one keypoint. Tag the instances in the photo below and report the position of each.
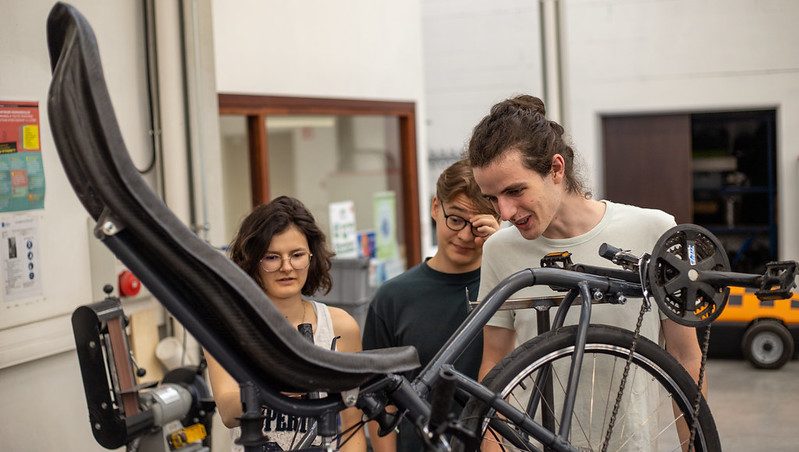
(529, 103)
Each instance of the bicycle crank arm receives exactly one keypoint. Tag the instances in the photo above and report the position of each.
(722, 279)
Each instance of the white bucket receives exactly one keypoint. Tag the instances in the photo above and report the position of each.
(170, 352)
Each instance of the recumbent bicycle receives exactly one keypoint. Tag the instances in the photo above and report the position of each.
(579, 387)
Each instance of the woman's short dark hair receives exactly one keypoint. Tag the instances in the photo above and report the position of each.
(267, 220)
(520, 123)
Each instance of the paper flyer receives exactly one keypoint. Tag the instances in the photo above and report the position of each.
(21, 171)
(385, 221)
(20, 257)
(343, 234)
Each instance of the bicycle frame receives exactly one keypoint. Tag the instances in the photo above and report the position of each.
(588, 286)
(411, 396)
(226, 311)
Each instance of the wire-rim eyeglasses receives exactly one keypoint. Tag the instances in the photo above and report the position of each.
(298, 260)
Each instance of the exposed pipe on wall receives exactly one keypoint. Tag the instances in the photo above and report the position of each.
(191, 123)
(552, 73)
(151, 61)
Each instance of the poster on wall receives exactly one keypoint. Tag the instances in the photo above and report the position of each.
(384, 204)
(343, 234)
(19, 254)
(21, 170)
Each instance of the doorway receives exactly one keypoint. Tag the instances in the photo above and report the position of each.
(715, 169)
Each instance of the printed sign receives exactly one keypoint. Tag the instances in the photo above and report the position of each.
(343, 235)
(385, 221)
(21, 170)
(19, 253)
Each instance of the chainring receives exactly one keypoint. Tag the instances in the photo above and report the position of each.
(681, 254)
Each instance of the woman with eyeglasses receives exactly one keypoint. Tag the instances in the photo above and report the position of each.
(281, 247)
(423, 306)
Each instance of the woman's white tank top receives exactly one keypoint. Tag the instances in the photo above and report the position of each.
(283, 428)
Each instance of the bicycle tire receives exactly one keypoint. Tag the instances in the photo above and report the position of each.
(605, 344)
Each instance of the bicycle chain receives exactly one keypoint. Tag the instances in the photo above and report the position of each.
(699, 382)
(623, 382)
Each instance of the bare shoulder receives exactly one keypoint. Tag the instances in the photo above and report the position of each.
(344, 325)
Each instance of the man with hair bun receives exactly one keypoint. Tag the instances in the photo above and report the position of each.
(527, 171)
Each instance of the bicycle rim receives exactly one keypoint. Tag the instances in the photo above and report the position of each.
(656, 406)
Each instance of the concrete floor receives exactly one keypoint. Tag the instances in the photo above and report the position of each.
(755, 409)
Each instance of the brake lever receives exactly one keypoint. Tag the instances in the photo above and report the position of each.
(623, 258)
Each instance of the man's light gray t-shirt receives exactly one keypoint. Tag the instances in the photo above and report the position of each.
(626, 227)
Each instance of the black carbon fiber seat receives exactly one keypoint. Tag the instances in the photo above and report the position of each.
(217, 302)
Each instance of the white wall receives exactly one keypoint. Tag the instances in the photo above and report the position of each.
(685, 56)
(43, 403)
(476, 53)
(357, 49)
(618, 56)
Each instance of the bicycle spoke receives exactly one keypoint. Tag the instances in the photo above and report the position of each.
(579, 424)
(629, 401)
(644, 423)
(607, 403)
(520, 436)
(680, 446)
(549, 407)
(649, 410)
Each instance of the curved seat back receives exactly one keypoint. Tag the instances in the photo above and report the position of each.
(215, 300)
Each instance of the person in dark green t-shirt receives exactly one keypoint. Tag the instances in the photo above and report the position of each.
(426, 304)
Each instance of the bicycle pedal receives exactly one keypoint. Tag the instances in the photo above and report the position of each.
(557, 259)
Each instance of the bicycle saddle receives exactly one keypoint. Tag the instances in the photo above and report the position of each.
(222, 307)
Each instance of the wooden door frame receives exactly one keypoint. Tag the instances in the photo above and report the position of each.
(256, 109)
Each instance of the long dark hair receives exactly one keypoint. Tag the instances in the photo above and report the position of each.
(264, 222)
(520, 123)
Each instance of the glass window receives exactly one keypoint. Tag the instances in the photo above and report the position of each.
(237, 190)
(324, 159)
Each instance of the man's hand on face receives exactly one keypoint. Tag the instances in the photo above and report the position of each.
(486, 224)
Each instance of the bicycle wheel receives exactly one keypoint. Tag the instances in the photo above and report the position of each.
(656, 408)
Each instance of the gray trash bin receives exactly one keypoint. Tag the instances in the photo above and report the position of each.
(351, 291)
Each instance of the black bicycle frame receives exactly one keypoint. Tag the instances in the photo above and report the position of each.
(410, 396)
(586, 284)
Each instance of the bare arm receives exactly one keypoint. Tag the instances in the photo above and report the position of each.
(386, 443)
(347, 329)
(682, 344)
(226, 393)
(497, 343)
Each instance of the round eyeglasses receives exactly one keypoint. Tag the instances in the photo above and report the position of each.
(299, 260)
(457, 223)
